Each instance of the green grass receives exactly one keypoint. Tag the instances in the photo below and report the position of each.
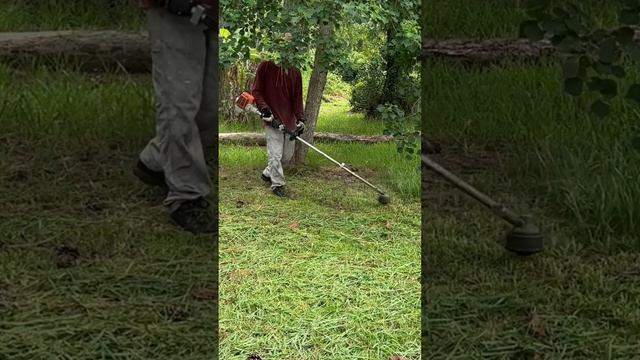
(327, 274)
(574, 301)
(512, 133)
(334, 117)
(444, 19)
(71, 15)
(75, 107)
(583, 168)
(141, 289)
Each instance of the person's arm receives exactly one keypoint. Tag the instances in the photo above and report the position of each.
(258, 88)
(298, 109)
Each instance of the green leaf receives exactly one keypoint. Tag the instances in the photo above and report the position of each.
(631, 4)
(573, 86)
(603, 69)
(601, 108)
(536, 8)
(224, 33)
(595, 84)
(629, 17)
(624, 35)
(634, 51)
(571, 68)
(561, 13)
(609, 52)
(618, 71)
(569, 44)
(576, 25)
(634, 93)
(529, 29)
(553, 26)
(599, 35)
(608, 88)
(556, 40)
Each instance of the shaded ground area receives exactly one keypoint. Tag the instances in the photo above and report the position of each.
(326, 274)
(89, 266)
(572, 301)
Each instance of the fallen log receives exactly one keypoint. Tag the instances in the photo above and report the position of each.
(130, 51)
(259, 139)
(486, 51)
(490, 51)
(88, 50)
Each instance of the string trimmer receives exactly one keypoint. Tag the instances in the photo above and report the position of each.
(246, 103)
(523, 239)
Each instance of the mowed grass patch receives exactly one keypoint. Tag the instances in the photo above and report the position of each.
(327, 273)
(90, 266)
(574, 301)
(584, 168)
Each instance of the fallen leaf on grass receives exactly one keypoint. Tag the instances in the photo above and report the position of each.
(294, 226)
(238, 274)
(205, 294)
(175, 313)
(397, 357)
(537, 326)
(67, 256)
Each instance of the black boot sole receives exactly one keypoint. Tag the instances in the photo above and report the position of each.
(149, 177)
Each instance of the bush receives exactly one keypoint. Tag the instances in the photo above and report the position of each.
(366, 94)
(367, 91)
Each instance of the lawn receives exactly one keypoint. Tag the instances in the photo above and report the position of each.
(90, 267)
(514, 135)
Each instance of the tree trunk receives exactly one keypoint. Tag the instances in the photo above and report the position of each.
(390, 92)
(317, 83)
(259, 139)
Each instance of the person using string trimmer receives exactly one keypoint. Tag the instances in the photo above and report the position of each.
(278, 95)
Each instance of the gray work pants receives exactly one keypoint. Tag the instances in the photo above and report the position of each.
(279, 154)
(184, 75)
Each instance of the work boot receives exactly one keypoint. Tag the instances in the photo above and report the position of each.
(194, 216)
(279, 191)
(265, 178)
(148, 176)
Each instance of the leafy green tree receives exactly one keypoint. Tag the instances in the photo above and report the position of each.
(593, 58)
(289, 31)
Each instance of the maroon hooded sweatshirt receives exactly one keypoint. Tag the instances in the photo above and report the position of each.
(280, 91)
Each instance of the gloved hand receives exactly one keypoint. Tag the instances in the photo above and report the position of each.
(266, 115)
(300, 127)
(276, 124)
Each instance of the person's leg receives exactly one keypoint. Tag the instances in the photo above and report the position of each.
(275, 147)
(288, 149)
(178, 51)
(207, 117)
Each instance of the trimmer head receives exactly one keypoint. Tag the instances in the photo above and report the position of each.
(384, 199)
(524, 240)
